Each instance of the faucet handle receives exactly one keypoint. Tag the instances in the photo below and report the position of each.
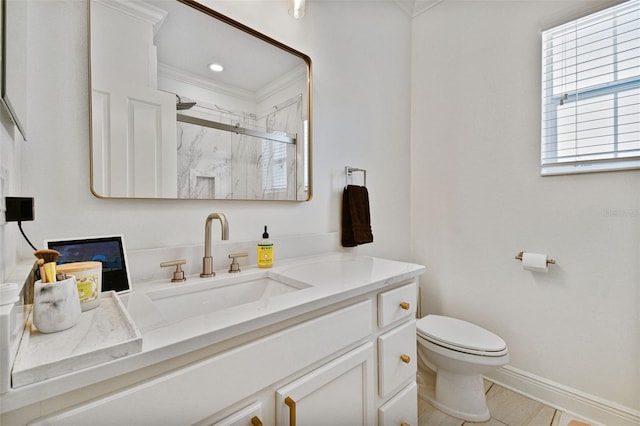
(235, 266)
(178, 274)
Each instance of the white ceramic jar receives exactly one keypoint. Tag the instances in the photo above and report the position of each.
(56, 305)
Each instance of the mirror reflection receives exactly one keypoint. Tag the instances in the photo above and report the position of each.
(189, 104)
(13, 62)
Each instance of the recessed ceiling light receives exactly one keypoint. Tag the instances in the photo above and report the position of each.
(216, 67)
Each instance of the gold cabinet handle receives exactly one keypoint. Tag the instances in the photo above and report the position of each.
(255, 421)
(405, 358)
(405, 306)
(404, 424)
(292, 410)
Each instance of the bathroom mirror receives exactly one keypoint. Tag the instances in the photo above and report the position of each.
(13, 69)
(165, 125)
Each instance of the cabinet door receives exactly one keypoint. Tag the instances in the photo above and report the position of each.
(133, 124)
(340, 392)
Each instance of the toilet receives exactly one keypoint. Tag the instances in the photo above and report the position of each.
(460, 353)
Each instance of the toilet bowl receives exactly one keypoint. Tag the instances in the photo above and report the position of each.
(460, 353)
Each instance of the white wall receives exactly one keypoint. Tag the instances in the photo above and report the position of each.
(10, 138)
(361, 56)
(477, 199)
(10, 143)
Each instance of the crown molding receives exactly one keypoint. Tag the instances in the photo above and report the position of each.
(415, 8)
(180, 75)
(139, 10)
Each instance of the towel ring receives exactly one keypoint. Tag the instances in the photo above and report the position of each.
(348, 171)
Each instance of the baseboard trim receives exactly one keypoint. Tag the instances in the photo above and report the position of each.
(592, 408)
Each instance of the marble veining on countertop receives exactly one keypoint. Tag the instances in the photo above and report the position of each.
(102, 334)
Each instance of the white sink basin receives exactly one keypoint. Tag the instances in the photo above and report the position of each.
(189, 300)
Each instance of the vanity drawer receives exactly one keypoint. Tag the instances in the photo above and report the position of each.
(402, 409)
(396, 357)
(243, 417)
(397, 304)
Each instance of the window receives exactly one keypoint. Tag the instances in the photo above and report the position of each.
(274, 166)
(591, 93)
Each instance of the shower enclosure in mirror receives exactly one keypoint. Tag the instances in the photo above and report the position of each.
(166, 122)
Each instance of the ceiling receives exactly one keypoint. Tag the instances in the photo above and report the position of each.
(188, 41)
(208, 40)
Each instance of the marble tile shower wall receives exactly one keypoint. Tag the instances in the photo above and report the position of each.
(218, 164)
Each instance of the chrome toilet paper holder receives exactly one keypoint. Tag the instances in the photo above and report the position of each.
(549, 261)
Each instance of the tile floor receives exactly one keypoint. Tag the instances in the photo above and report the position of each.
(507, 408)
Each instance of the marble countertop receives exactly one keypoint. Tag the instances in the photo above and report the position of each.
(325, 280)
(103, 333)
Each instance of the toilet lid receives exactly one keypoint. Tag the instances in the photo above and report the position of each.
(459, 334)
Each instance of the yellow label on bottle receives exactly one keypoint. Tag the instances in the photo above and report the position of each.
(265, 256)
(87, 288)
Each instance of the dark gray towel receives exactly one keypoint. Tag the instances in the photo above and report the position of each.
(356, 218)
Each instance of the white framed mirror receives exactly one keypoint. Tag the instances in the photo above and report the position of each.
(13, 66)
(165, 125)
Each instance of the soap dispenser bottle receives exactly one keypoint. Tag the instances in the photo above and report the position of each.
(265, 251)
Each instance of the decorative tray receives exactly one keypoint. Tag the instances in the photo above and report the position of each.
(103, 334)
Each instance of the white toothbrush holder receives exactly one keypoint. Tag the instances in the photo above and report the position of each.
(56, 306)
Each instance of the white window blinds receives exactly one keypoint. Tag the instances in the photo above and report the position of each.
(274, 166)
(591, 92)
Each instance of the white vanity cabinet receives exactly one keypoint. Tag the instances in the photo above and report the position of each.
(353, 364)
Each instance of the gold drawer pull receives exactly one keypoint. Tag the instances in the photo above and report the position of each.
(405, 358)
(404, 424)
(255, 421)
(405, 306)
(292, 410)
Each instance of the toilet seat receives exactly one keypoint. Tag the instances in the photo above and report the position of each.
(460, 336)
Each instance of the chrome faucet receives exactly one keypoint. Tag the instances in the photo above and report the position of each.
(207, 260)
